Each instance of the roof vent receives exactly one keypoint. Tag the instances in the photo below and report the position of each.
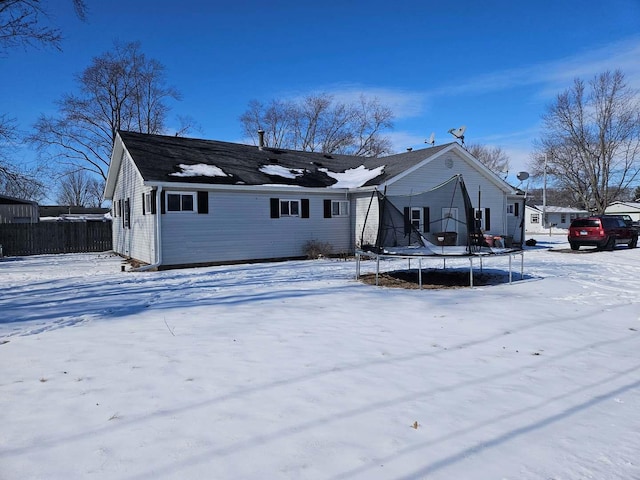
(326, 155)
(260, 139)
(409, 149)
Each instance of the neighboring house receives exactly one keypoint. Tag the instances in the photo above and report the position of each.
(64, 213)
(558, 219)
(621, 208)
(16, 210)
(178, 201)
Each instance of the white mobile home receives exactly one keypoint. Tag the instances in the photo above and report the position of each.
(179, 201)
(625, 208)
(554, 220)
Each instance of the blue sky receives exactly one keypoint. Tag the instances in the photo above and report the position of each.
(493, 66)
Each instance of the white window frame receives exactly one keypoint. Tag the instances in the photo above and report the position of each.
(535, 218)
(147, 202)
(563, 218)
(341, 207)
(416, 217)
(510, 209)
(286, 208)
(182, 194)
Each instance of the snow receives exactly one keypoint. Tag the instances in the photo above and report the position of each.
(199, 170)
(351, 178)
(294, 370)
(280, 171)
(354, 177)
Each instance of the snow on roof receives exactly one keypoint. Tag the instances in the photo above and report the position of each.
(354, 177)
(554, 209)
(280, 171)
(199, 170)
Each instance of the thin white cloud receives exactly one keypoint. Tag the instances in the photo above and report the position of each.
(403, 103)
(556, 74)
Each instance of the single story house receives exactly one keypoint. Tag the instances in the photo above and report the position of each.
(17, 210)
(625, 208)
(181, 201)
(558, 219)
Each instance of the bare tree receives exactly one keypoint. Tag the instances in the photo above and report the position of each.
(21, 24)
(78, 188)
(494, 158)
(16, 180)
(318, 123)
(591, 140)
(120, 90)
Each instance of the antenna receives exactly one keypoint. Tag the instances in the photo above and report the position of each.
(432, 139)
(458, 133)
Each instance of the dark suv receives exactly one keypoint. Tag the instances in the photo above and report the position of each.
(602, 231)
(627, 220)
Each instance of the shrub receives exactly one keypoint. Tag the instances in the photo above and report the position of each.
(531, 242)
(316, 249)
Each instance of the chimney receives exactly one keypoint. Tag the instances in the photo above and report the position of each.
(260, 139)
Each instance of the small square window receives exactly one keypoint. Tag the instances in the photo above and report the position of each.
(180, 202)
(339, 208)
(289, 208)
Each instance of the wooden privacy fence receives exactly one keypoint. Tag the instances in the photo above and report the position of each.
(55, 237)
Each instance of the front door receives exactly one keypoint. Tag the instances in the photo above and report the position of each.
(450, 219)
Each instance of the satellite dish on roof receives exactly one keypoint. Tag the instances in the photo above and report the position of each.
(522, 176)
(458, 133)
(432, 139)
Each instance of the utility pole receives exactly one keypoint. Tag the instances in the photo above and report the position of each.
(544, 195)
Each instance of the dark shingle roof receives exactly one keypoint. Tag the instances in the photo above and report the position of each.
(158, 158)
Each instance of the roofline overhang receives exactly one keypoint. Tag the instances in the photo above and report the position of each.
(21, 201)
(491, 176)
(251, 188)
(114, 167)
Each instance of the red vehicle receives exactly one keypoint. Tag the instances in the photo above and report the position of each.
(602, 231)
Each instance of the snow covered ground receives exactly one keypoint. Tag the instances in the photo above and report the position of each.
(296, 371)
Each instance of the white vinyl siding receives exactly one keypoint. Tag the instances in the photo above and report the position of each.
(239, 227)
(483, 192)
(365, 205)
(138, 240)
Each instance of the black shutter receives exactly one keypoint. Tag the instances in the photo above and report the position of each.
(127, 214)
(163, 208)
(154, 196)
(516, 209)
(203, 202)
(475, 222)
(487, 219)
(327, 209)
(427, 220)
(275, 208)
(305, 208)
(143, 206)
(407, 221)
